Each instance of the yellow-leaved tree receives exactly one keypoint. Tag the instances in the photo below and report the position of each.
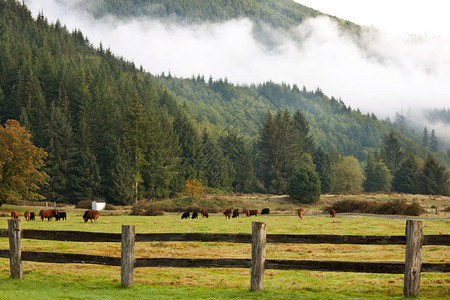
(20, 161)
(194, 188)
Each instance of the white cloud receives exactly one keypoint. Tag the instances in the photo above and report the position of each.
(383, 73)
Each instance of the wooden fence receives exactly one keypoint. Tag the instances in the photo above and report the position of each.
(411, 267)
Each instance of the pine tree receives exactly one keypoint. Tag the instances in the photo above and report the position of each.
(240, 155)
(391, 152)
(304, 185)
(433, 142)
(378, 176)
(405, 179)
(425, 138)
(122, 191)
(324, 167)
(86, 180)
(434, 178)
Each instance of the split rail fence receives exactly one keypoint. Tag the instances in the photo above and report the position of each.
(411, 267)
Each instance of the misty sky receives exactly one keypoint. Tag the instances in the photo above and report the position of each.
(396, 68)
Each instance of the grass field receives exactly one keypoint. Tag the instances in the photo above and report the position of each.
(78, 281)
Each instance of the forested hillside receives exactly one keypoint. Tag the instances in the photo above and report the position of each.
(114, 132)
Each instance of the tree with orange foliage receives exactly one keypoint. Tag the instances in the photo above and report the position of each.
(194, 188)
(20, 162)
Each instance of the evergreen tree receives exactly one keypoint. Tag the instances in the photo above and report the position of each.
(378, 177)
(405, 179)
(304, 185)
(87, 181)
(218, 171)
(122, 191)
(324, 167)
(434, 179)
(433, 142)
(425, 138)
(305, 141)
(391, 152)
(60, 160)
(240, 155)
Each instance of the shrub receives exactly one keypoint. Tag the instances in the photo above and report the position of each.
(394, 207)
(109, 207)
(146, 209)
(87, 204)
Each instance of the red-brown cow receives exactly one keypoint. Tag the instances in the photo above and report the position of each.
(251, 212)
(204, 213)
(228, 213)
(301, 213)
(27, 215)
(14, 215)
(48, 213)
(92, 215)
(332, 213)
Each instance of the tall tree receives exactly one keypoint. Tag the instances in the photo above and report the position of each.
(391, 152)
(433, 142)
(434, 178)
(348, 176)
(20, 164)
(405, 179)
(240, 155)
(378, 176)
(425, 137)
(324, 167)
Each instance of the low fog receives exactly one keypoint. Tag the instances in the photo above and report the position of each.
(381, 73)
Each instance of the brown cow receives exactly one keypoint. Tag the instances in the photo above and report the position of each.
(14, 214)
(301, 213)
(48, 213)
(332, 213)
(27, 215)
(92, 215)
(204, 213)
(228, 213)
(251, 212)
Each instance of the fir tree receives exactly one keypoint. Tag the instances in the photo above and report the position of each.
(391, 152)
(405, 179)
(433, 142)
(434, 179)
(378, 177)
(324, 167)
(425, 138)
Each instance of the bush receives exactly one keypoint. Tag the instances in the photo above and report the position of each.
(87, 204)
(304, 185)
(109, 207)
(394, 207)
(146, 209)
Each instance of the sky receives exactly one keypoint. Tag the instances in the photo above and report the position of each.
(403, 66)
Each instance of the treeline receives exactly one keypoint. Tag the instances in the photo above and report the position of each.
(114, 132)
(278, 13)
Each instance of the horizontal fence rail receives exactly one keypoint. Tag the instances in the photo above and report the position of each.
(15, 233)
(83, 236)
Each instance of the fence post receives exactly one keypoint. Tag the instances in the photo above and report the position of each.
(259, 232)
(15, 253)
(127, 255)
(413, 259)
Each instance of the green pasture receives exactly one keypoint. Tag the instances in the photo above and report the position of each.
(79, 281)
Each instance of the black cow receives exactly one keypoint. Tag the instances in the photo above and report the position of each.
(61, 216)
(194, 215)
(185, 215)
(265, 211)
(236, 213)
(32, 216)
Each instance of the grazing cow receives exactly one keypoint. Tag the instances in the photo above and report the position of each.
(301, 213)
(14, 215)
(228, 213)
(32, 216)
(185, 215)
(48, 213)
(251, 212)
(92, 215)
(332, 213)
(61, 215)
(194, 214)
(204, 213)
(236, 213)
(27, 215)
(265, 211)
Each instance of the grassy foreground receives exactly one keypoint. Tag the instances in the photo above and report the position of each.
(78, 281)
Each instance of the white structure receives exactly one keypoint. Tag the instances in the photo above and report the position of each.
(98, 205)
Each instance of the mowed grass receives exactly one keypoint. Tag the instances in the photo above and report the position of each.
(79, 281)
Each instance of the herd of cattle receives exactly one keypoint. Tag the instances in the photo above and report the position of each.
(49, 214)
(234, 213)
